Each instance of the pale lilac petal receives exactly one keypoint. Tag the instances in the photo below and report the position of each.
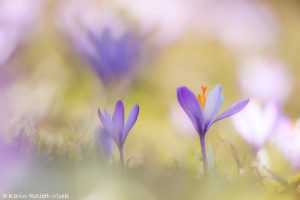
(232, 110)
(213, 104)
(118, 120)
(101, 117)
(287, 140)
(267, 79)
(110, 126)
(133, 115)
(15, 158)
(106, 121)
(104, 142)
(191, 106)
(256, 123)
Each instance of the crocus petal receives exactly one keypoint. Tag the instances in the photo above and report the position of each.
(105, 120)
(256, 123)
(191, 106)
(104, 142)
(232, 110)
(213, 104)
(101, 117)
(133, 115)
(118, 120)
(110, 126)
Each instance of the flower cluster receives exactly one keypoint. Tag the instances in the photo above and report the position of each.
(202, 112)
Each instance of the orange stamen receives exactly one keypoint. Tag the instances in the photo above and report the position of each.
(202, 97)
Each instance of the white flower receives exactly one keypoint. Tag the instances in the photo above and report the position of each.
(265, 79)
(75, 16)
(168, 18)
(17, 18)
(243, 26)
(287, 140)
(256, 123)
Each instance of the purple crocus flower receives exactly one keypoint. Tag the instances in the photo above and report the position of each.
(202, 111)
(114, 57)
(116, 127)
(112, 47)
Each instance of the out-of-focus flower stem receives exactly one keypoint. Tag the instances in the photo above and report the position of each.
(121, 157)
(204, 157)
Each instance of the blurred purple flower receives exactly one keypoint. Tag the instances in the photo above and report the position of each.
(114, 57)
(256, 123)
(265, 79)
(287, 140)
(6, 116)
(16, 20)
(111, 47)
(202, 112)
(116, 127)
(15, 157)
(104, 142)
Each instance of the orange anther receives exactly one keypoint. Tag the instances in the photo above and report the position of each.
(202, 97)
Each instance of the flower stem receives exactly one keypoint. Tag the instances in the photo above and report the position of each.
(204, 157)
(121, 158)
